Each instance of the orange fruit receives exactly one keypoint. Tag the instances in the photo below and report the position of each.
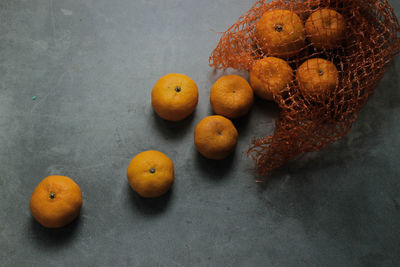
(174, 97)
(269, 76)
(215, 137)
(56, 201)
(280, 33)
(317, 76)
(151, 173)
(325, 28)
(231, 96)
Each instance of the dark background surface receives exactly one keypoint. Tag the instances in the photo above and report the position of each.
(92, 64)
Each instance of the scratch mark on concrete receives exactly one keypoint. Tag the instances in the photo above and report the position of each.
(177, 263)
(52, 21)
(66, 12)
(396, 203)
(121, 141)
(48, 94)
(94, 165)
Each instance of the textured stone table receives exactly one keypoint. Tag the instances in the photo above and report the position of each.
(91, 65)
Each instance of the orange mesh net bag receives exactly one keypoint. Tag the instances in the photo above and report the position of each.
(320, 60)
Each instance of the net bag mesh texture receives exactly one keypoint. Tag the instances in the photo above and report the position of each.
(313, 112)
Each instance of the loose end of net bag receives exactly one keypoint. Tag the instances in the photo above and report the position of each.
(338, 51)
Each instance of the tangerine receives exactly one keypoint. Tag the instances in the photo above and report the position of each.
(151, 173)
(326, 28)
(215, 137)
(231, 96)
(56, 201)
(317, 77)
(174, 97)
(269, 76)
(280, 33)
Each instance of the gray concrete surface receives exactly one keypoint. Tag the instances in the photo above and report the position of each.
(92, 64)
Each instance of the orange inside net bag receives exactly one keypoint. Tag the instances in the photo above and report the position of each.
(320, 60)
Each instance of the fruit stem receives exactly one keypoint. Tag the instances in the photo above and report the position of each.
(152, 170)
(321, 72)
(278, 27)
(52, 195)
(178, 89)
